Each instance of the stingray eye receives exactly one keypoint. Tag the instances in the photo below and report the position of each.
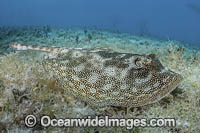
(138, 62)
(142, 61)
(146, 60)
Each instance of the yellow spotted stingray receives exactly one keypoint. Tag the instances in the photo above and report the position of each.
(103, 77)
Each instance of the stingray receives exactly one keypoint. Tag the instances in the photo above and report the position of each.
(104, 77)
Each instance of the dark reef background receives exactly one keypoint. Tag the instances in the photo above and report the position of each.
(177, 20)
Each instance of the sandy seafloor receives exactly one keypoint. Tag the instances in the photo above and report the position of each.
(26, 89)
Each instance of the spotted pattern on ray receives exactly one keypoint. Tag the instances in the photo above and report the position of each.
(102, 77)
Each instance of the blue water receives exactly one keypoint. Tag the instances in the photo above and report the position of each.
(170, 19)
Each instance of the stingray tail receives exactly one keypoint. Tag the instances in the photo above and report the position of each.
(18, 46)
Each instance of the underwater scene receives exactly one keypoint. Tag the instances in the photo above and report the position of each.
(99, 66)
